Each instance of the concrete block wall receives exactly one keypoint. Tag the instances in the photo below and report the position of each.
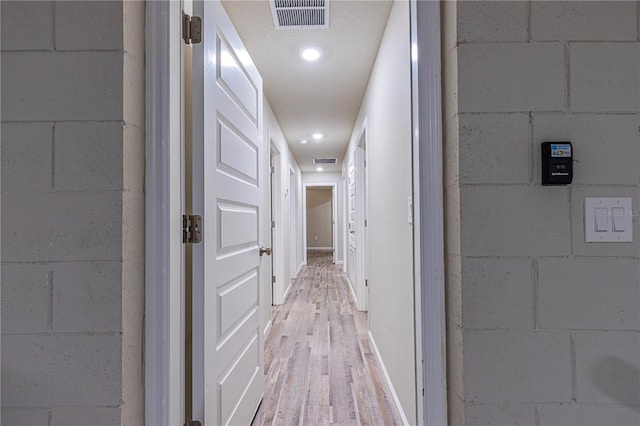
(72, 212)
(550, 324)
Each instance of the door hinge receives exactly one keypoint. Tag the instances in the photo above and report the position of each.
(366, 283)
(273, 223)
(273, 279)
(191, 229)
(191, 29)
(273, 169)
(365, 222)
(192, 423)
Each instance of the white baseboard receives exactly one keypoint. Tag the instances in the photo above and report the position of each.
(319, 248)
(267, 328)
(340, 262)
(286, 293)
(353, 293)
(387, 379)
(302, 265)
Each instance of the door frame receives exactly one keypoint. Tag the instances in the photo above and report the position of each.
(164, 275)
(428, 212)
(277, 243)
(334, 212)
(163, 328)
(362, 217)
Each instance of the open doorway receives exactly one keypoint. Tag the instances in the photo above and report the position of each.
(320, 214)
(277, 275)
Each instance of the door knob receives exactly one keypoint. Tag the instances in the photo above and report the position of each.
(266, 251)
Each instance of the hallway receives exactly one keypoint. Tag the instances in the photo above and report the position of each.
(320, 366)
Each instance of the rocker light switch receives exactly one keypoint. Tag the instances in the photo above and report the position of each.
(608, 220)
(602, 219)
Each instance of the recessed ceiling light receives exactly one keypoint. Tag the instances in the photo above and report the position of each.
(317, 136)
(310, 54)
(319, 169)
(303, 141)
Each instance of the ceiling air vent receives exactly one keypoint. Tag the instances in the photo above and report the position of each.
(300, 14)
(325, 160)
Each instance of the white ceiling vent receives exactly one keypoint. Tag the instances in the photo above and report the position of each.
(325, 160)
(300, 14)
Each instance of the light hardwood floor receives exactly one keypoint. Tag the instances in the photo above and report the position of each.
(320, 366)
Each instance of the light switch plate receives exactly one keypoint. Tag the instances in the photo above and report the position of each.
(608, 220)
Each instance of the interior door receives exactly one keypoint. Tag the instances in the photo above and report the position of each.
(228, 192)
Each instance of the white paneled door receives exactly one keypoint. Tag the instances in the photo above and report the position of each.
(228, 269)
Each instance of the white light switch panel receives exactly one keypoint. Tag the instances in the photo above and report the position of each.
(608, 220)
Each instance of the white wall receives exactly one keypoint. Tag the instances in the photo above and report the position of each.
(72, 212)
(387, 109)
(550, 324)
(319, 218)
(273, 134)
(331, 178)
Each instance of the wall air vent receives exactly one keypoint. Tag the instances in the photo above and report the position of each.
(325, 160)
(300, 14)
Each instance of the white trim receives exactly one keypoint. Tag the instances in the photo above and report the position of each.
(302, 265)
(319, 248)
(340, 262)
(387, 379)
(353, 292)
(267, 328)
(428, 214)
(334, 218)
(286, 292)
(163, 329)
(362, 214)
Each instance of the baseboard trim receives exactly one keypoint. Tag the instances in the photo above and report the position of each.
(267, 328)
(340, 262)
(319, 248)
(353, 293)
(302, 265)
(387, 379)
(286, 293)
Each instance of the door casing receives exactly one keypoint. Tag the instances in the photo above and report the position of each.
(334, 212)
(164, 361)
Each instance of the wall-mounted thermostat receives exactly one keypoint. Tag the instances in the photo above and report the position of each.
(557, 163)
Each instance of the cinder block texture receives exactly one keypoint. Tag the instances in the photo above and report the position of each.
(25, 417)
(61, 370)
(510, 220)
(500, 415)
(88, 156)
(605, 77)
(583, 20)
(588, 415)
(601, 293)
(511, 77)
(608, 367)
(497, 293)
(606, 147)
(26, 25)
(26, 298)
(580, 247)
(494, 148)
(490, 21)
(26, 156)
(87, 297)
(99, 22)
(517, 366)
(61, 227)
(73, 86)
(69, 416)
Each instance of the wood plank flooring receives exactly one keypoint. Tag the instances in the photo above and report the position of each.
(320, 367)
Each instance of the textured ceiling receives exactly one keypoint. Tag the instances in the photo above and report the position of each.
(320, 97)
